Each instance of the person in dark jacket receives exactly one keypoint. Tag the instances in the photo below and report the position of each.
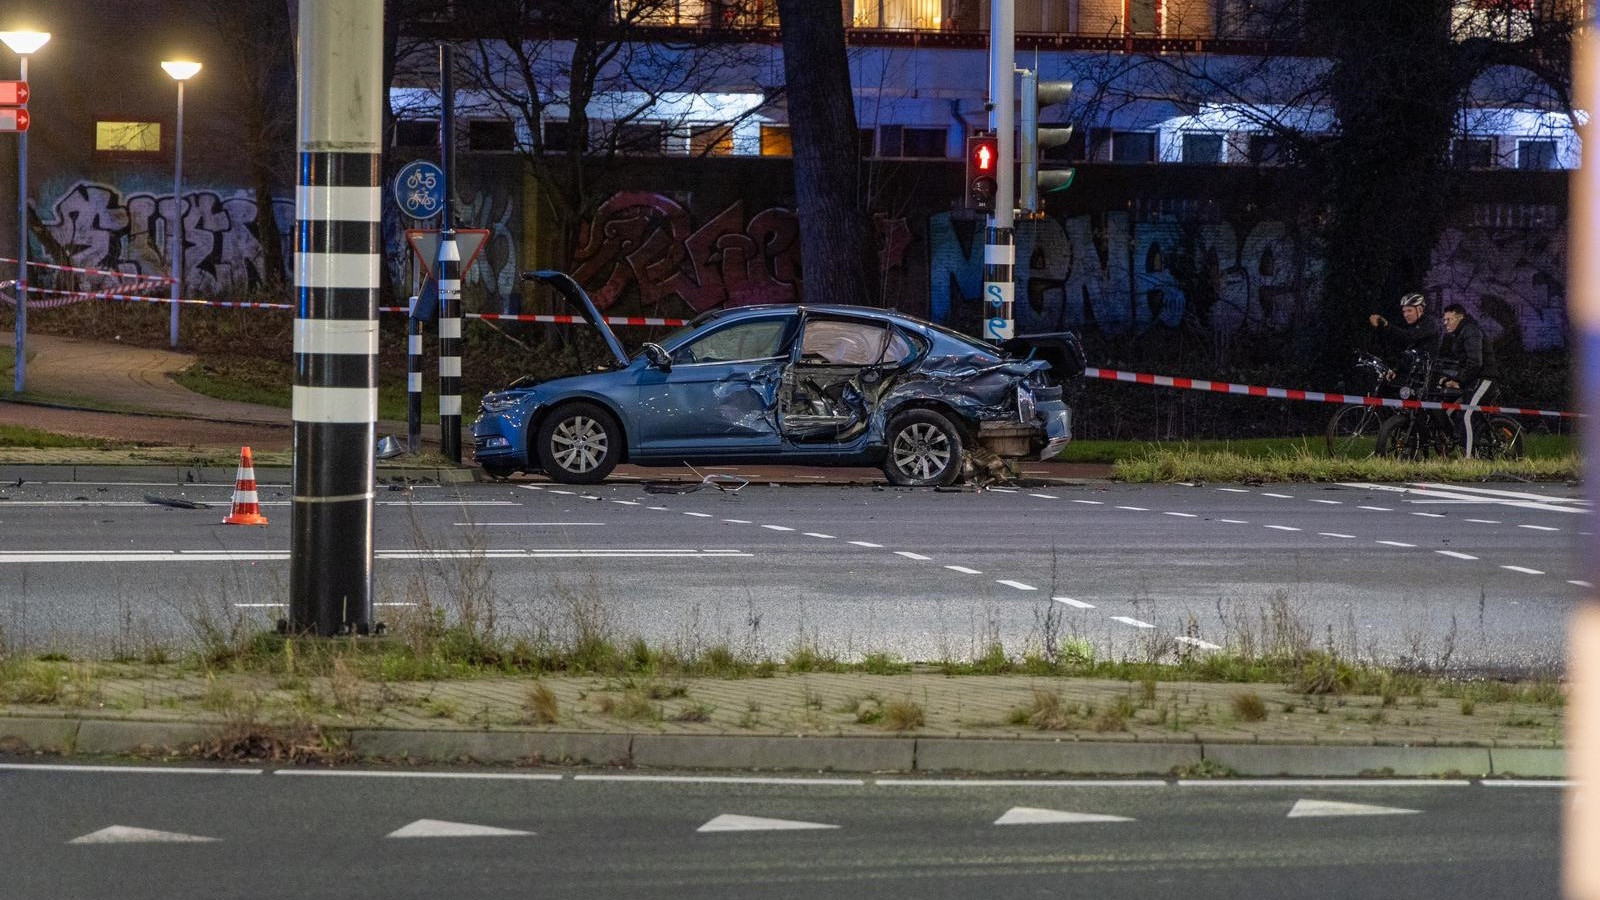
(1420, 331)
(1468, 348)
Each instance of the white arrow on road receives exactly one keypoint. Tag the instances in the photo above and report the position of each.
(1027, 815)
(727, 822)
(1309, 808)
(123, 834)
(435, 828)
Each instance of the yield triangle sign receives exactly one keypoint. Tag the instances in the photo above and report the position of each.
(434, 828)
(754, 823)
(123, 834)
(1027, 815)
(425, 244)
(1308, 808)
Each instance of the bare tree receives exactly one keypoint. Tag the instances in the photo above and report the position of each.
(837, 249)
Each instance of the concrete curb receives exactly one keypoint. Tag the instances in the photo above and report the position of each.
(106, 737)
(267, 476)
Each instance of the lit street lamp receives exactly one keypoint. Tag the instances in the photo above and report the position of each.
(180, 72)
(22, 43)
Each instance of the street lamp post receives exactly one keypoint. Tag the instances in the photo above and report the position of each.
(180, 71)
(22, 43)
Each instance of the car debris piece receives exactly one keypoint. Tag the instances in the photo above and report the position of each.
(174, 502)
(717, 480)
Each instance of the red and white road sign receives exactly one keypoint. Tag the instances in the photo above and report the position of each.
(13, 93)
(425, 244)
(14, 119)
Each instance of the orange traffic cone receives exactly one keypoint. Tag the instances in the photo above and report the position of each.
(246, 507)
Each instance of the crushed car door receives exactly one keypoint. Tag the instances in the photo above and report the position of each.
(720, 392)
(843, 367)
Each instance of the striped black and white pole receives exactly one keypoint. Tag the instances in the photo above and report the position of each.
(999, 252)
(449, 274)
(336, 316)
(999, 286)
(414, 381)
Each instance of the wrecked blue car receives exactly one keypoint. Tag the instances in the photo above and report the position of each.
(800, 385)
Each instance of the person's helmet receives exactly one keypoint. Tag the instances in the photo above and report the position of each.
(1414, 299)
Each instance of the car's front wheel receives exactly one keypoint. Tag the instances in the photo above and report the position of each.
(924, 449)
(579, 444)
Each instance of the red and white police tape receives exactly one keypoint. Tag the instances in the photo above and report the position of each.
(1251, 390)
(110, 273)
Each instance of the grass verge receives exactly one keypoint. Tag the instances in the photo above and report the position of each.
(1190, 463)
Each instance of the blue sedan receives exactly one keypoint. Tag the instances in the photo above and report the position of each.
(805, 385)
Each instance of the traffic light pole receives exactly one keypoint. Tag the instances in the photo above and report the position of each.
(999, 251)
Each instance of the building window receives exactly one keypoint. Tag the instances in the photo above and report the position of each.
(415, 133)
(1144, 16)
(127, 137)
(1202, 148)
(1536, 154)
(558, 136)
(775, 141)
(1472, 153)
(711, 140)
(920, 15)
(1133, 146)
(1266, 150)
(900, 141)
(640, 138)
(491, 135)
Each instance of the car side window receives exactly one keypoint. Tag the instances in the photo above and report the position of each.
(758, 339)
(845, 343)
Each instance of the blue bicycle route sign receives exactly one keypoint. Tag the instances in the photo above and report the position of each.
(419, 189)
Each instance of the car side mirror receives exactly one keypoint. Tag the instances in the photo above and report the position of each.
(658, 357)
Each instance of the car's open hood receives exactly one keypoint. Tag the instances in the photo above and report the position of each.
(563, 284)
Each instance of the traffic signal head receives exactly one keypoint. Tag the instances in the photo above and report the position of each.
(983, 165)
(1037, 95)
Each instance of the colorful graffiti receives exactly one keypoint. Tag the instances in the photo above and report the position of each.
(647, 242)
(97, 226)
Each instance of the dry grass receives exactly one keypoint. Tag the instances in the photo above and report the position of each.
(1248, 706)
(540, 706)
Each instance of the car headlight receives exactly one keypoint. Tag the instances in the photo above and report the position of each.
(498, 403)
(1027, 407)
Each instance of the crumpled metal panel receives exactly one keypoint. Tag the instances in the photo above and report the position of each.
(749, 402)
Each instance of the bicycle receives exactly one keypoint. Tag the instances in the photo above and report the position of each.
(1353, 429)
(1419, 433)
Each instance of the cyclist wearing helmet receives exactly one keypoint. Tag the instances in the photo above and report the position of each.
(1420, 331)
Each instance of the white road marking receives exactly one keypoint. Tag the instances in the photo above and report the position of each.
(260, 605)
(1376, 508)
(1181, 515)
(1523, 569)
(124, 770)
(719, 779)
(728, 822)
(123, 834)
(737, 521)
(1045, 496)
(525, 524)
(1000, 490)
(1540, 527)
(1281, 527)
(555, 491)
(1483, 521)
(628, 502)
(1528, 783)
(1234, 490)
(1071, 602)
(659, 508)
(1429, 515)
(991, 782)
(1395, 544)
(868, 544)
(1454, 554)
(1134, 508)
(700, 515)
(1091, 502)
(1510, 495)
(1126, 620)
(1578, 582)
(1307, 808)
(1016, 584)
(1278, 496)
(1029, 815)
(1196, 642)
(1335, 534)
(777, 528)
(964, 570)
(1517, 499)
(1323, 782)
(818, 534)
(1234, 521)
(909, 555)
(387, 773)
(435, 828)
(1328, 502)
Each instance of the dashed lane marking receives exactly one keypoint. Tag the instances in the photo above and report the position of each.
(1396, 544)
(1335, 534)
(628, 502)
(1016, 584)
(1045, 496)
(1128, 620)
(818, 534)
(1079, 604)
(1578, 582)
(1196, 642)
(1277, 496)
(909, 555)
(777, 527)
(1234, 490)
(700, 515)
(1134, 508)
(1181, 515)
(1523, 569)
(738, 521)
(1376, 508)
(1327, 502)
(1429, 515)
(1281, 527)
(1234, 521)
(1539, 527)
(1091, 502)
(964, 570)
(527, 524)
(868, 544)
(1483, 521)
(1455, 555)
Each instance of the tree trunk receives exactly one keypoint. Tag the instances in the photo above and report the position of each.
(838, 255)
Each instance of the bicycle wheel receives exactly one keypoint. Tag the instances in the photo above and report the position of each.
(1505, 438)
(1353, 431)
(1403, 436)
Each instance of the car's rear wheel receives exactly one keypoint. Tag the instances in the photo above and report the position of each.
(579, 444)
(924, 449)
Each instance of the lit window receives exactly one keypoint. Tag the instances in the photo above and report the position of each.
(926, 15)
(776, 141)
(711, 140)
(128, 137)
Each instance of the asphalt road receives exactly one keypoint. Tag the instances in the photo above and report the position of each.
(1481, 577)
(79, 833)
